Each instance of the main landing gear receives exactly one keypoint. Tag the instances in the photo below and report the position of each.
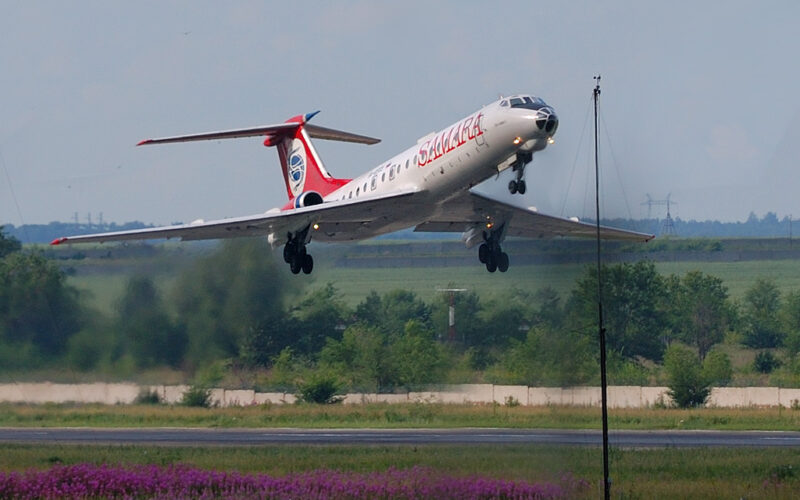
(295, 254)
(493, 256)
(517, 185)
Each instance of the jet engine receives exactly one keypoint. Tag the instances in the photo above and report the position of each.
(308, 199)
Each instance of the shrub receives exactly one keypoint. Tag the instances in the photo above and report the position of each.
(147, 396)
(687, 384)
(197, 396)
(717, 368)
(320, 389)
(765, 362)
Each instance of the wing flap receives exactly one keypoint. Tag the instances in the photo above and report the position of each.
(473, 210)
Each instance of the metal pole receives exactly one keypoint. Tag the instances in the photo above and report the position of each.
(601, 328)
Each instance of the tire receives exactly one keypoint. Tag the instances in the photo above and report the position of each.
(483, 253)
(502, 262)
(512, 187)
(308, 264)
(521, 187)
(296, 265)
(287, 253)
(491, 265)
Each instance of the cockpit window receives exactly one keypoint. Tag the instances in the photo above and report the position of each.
(504, 103)
(527, 102)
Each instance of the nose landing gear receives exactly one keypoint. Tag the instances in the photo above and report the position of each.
(517, 185)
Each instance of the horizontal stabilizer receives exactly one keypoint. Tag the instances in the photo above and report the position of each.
(226, 134)
(330, 134)
(313, 131)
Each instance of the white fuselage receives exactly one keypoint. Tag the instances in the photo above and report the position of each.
(454, 159)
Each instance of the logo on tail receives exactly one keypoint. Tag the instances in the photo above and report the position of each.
(297, 167)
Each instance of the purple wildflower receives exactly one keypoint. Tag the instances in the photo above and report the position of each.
(180, 481)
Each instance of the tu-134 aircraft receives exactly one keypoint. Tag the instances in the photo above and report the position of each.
(428, 187)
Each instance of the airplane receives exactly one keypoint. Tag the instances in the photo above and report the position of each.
(427, 187)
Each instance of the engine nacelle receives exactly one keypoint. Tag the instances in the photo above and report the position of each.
(308, 199)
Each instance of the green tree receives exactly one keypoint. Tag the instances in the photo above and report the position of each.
(507, 317)
(762, 326)
(149, 334)
(549, 357)
(790, 320)
(550, 312)
(37, 308)
(226, 296)
(635, 307)
(717, 368)
(8, 244)
(319, 316)
(393, 310)
(702, 311)
(416, 357)
(688, 386)
(361, 358)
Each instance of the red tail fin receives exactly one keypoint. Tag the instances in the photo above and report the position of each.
(303, 170)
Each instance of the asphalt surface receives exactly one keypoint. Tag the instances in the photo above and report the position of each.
(244, 437)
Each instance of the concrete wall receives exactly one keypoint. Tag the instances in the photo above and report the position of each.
(618, 396)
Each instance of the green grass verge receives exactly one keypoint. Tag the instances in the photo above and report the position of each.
(667, 473)
(419, 415)
(354, 284)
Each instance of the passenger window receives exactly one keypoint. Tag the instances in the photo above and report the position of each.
(391, 172)
(406, 164)
(374, 183)
(351, 195)
(383, 177)
(358, 190)
(365, 187)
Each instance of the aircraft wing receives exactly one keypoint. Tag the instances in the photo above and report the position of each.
(348, 216)
(473, 210)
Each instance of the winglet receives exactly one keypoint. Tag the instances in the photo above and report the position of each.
(59, 241)
(311, 115)
(142, 143)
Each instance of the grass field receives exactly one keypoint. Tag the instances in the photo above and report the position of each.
(668, 473)
(355, 283)
(382, 415)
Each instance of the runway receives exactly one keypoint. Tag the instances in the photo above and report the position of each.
(246, 437)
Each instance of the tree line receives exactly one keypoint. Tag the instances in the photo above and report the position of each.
(235, 312)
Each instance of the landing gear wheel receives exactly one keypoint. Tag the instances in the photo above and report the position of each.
(502, 262)
(287, 253)
(491, 265)
(296, 264)
(483, 253)
(308, 264)
(521, 187)
(513, 187)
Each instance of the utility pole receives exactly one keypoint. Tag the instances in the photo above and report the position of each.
(601, 328)
(451, 316)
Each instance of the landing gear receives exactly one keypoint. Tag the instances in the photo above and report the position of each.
(518, 184)
(490, 254)
(295, 254)
(515, 187)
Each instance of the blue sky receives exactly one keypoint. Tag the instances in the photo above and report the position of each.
(699, 99)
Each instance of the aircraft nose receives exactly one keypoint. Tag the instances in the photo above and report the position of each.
(547, 120)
